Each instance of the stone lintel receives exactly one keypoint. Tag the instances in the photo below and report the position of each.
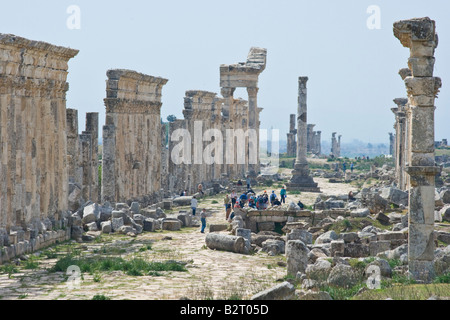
(117, 74)
(200, 94)
(132, 106)
(13, 40)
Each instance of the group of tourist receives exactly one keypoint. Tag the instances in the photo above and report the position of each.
(250, 199)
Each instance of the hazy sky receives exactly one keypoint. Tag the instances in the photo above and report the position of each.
(352, 70)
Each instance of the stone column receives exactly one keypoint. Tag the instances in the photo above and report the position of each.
(253, 126)
(291, 144)
(310, 138)
(333, 144)
(391, 143)
(401, 142)
(339, 146)
(73, 152)
(302, 122)
(420, 37)
(301, 179)
(91, 156)
(227, 94)
(319, 143)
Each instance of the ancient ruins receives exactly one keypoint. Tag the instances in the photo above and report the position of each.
(313, 139)
(301, 178)
(335, 145)
(34, 166)
(420, 37)
(131, 162)
(56, 185)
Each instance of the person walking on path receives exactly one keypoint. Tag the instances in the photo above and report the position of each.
(203, 220)
(227, 203)
(233, 197)
(283, 195)
(248, 180)
(193, 205)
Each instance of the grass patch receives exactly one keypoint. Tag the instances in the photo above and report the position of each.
(338, 293)
(133, 267)
(442, 279)
(31, 263)
(9, 269)
(406, 292)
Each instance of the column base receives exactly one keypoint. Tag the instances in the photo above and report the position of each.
(301, 180)
(421, 270)
(303, 183)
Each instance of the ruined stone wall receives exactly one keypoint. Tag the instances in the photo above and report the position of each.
(33, 141)
(193, 155)
(131, 159)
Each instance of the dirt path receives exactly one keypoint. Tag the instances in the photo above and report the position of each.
(211, 274)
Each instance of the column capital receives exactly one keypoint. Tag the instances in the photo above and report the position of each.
(252, 91)
(401, 102)
(303, 80)
(227, 92)
(419, 29)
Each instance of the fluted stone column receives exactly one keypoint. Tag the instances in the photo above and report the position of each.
(401, 142)
(253, 125)
(301, 179)
(420, 37)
